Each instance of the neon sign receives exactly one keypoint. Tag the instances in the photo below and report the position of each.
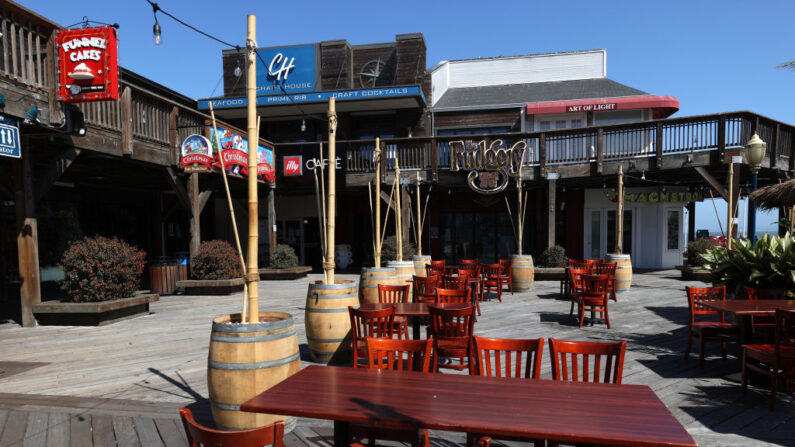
(491, 166)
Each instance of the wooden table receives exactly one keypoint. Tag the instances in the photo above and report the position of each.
(410, 310)
(535, 409)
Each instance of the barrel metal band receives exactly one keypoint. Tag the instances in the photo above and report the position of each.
(256, 327)
(334, 297)
(269, 337)
(249, 366)
(344, 285)
(331, 353)
(327, 311)
(325, 340)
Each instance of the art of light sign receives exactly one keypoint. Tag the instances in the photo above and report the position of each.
(88, 64)
(591, 107)
(294, 68)
(492, 166)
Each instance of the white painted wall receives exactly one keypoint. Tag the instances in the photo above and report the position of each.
(518, 70)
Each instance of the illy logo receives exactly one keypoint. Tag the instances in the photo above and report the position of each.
(292, 165)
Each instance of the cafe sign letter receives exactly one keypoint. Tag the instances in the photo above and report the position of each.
(492, 166)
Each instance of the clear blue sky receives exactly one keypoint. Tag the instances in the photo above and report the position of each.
(714, 56)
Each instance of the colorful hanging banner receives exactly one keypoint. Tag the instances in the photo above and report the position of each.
(196, 154)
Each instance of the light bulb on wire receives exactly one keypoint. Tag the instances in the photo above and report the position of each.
(156, 37)
(303, 125)
(238, 71)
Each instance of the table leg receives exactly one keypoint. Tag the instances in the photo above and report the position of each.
(744, 322)
(342, 436)
(415, 323)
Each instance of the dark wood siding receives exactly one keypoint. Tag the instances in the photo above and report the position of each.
(480, 118)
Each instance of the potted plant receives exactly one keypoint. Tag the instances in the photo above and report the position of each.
(284, 265)
(553, 264)
(101, 281)
(215, 270)
(695, 270)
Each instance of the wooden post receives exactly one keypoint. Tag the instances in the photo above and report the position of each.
(252, 272)
(27, 236)
(271, 221)
(620, 215)
(600, 149)
(552, 186)
(419, 218)
(195, 213)
(377, 203)
(721, 138)
(328, 266)
(519, 208)
(398, 214)
(691, 221)
(659, 146)
(730, 209)
(157, 226)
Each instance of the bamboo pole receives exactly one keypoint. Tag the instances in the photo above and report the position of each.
(252, 273)
(328, 266)
(386, 215)
(231, 211)
(519, 220)
(323, 198)
(620, 215)
(717, 215)
(419, 218)
(398, 214)
(730, 208)
(320, 213)
(378, 237)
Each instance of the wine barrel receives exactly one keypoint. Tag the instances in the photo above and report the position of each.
(404, 272)
(522, 272)
(371, 278)
(419, 264)
(327, 323)
(623, 270)
(245, 360)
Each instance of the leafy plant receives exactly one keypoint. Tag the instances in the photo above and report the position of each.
(100, 269)
(770, 263)
(283, 257)
(216, 260)
(554, 256)
(696, 250)
(389, 249)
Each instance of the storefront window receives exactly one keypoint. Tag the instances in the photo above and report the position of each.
(596, 235)
(484, 235)
(673, 230)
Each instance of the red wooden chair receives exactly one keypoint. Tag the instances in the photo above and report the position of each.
(708, 330)
(448, 296)
(441, 263)
(199, 435)
(763, 326)
(593, 297)
(575, 280)
(608, 269)
(432, 270)
(470, 272)
(776, 360)
(390, 294)
(453, 282)
(490, 280)
(572, 360)
(504, 357)
(425, 289)
(452, 329)
(470, 261)
(369, 323)
(506, 275)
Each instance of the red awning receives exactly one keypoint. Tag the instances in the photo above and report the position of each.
(662, 106)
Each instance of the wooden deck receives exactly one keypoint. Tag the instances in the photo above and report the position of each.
(123, 383)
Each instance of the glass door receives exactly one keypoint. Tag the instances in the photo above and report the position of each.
(593, 234)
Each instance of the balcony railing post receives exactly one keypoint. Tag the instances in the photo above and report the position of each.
(52, 82)
(774, 152)
(125, 103)
(434, 160)
(721, 138)
(542, 154)
(173, 134)
(659, 146)
(600, 149)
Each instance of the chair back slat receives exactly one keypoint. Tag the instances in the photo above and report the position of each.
(453, 282)
(508, 357)
(391, 294)
(425, 285)
(200, 435)
(370, 323)
(605, 269)
(585, 361)
(697, 296)
(439, 263)
(434, 270)
(447, 296)
(594, 284)
(452, 323)
(490, 271)
(399, 355)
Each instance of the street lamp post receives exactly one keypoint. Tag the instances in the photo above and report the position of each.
(754, 154)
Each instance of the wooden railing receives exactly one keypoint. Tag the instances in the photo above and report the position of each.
(25, 57)
(595, 144)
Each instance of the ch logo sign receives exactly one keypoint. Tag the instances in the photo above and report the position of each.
(287, 64)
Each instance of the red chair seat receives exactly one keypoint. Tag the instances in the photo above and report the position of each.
(767, 353)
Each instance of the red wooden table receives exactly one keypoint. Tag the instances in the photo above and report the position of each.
(594, 413)
(409, 310)
(744, 309)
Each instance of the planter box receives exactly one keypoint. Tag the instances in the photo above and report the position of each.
(550, 273)
(100, 313)
(211, 286)
(694, 273)
(277, 274)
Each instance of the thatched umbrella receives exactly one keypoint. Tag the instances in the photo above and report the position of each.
(775, 196)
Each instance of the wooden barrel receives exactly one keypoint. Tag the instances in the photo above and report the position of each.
(371, 278)
(522, 272)
(419, 264)
(404, 272)
(327, 323)
(623, 270)
(245, 360)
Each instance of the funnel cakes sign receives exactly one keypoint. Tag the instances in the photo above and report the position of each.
(88, 64)
(490, 166)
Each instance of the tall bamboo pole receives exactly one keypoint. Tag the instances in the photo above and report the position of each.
(730, 209)
(419, 219)
(328, 266)
(377, 203)
(398, 214)
(252, 273)
(519, 220)
(620, 216)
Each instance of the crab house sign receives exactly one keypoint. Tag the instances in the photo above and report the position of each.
(489, 165)
(88, 64)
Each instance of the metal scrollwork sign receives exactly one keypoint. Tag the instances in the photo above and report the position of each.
(492, 166)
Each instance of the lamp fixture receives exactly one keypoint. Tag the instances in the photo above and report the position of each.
(643, 175)
(238, 71)
(156, 32)
(303, 125)
(755, 152)
(32, 115)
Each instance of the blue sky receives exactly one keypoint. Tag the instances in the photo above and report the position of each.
(714, 56)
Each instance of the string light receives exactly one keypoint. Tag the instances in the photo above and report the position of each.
(238, 71)
(303, 125)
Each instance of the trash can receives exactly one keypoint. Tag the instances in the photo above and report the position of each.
(163, 276)
(181, 258)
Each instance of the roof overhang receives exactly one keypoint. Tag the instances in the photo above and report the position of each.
(661, 106)
(363, 100)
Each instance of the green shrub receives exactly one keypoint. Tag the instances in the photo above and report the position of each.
(770, 263)
(696, 250)
(283, 257)
(101, 269)
(389, 249)
(554, 256)
(216, 260)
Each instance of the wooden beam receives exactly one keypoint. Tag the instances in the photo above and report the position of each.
(54, 170)
(713, 182)
(204, 196)
(195, 226)
(385, 198)
(173, 134)
(27, 236)
(600, 149)
(125, 105)
(52, 78)
(659, 146)
(551, 190)
(691, 221)
(773, 146)
(176, 185)
(542, 154)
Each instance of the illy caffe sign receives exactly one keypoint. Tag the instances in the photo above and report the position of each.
(88, 64)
